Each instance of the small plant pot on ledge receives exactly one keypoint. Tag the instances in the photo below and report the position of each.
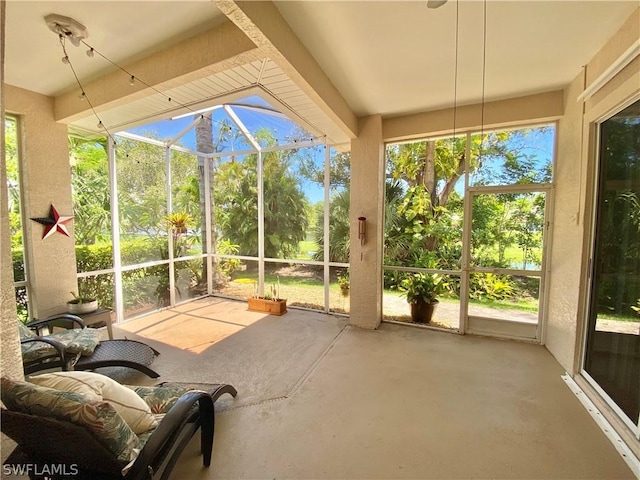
(78, 307)
(269, 306)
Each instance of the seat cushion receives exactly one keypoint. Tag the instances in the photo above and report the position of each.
(33, 351)
(83, 341)
(25, 332)
(133, 409)
(160, 399)
(99, 417)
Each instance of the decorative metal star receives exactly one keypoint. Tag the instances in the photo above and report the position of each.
(53, 223)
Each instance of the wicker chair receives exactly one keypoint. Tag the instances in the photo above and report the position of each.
(46, 443)
(54, 350)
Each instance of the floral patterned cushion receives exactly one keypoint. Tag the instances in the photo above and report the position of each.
(95, 387)
(82, 341)
(99, 417)
(25, 332)
(35, 350)
(160, 399)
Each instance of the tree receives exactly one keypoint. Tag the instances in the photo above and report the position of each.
(427, 206)
(236, 201)
(339, 227)
(13, 182)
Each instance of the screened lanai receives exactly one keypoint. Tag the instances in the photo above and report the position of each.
(546, 254)
(229, 201)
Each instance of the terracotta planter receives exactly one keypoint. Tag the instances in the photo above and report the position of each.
(272, 307)
(422, 312)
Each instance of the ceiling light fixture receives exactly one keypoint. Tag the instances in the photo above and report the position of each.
(435, 3)
(67, 27)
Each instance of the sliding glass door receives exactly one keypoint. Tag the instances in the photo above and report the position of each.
(612, 353)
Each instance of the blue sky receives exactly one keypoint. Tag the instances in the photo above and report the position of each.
(281, 128)
(540, 143)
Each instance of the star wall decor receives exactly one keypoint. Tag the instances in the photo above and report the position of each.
(53, 223)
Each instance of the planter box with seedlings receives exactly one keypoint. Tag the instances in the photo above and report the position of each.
(269, 303)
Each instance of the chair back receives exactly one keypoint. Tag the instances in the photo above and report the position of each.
(55, 442)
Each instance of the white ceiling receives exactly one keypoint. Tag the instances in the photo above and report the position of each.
(123, 31)
(388, 57)
(395, 57)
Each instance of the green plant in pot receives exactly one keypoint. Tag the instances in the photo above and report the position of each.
(421, 290)
(81, 304)
(343, 283)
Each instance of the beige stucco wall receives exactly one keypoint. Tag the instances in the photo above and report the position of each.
(575, 184)
(46, 180)
(10, 359)
(567, 233)
(513, 112)
(367, 197)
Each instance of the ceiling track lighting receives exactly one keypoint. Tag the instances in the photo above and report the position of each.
(132, 80)
(90, 52)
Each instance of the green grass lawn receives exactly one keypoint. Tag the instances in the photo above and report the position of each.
(306, 249)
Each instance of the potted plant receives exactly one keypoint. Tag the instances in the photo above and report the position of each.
(80, 304)
(343, 282)
(421, 290)
(270, 302)
(179, 222)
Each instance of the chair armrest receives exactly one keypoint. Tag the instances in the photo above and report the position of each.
(153, 453)
(64, 320)
(67, 360)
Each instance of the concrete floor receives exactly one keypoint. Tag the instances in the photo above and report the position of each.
(320, 399)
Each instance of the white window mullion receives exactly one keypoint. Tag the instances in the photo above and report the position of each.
(260, 225)
(115, 232)
(170, 243)
(326, 227)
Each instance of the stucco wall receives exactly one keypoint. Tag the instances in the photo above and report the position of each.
(568, 231)
(46, 180)
(10, 363)
(367, 195)
(575, 184)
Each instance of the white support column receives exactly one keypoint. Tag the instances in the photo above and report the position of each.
(367, 200)
(208, 201)
(170, 246)
(466, 241)
(115, 232)
(260, 225)
(326, 226)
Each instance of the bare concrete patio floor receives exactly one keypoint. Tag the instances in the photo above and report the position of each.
(319, 399)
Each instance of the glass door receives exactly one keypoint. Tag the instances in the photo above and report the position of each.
(612, 349)
(505, 260)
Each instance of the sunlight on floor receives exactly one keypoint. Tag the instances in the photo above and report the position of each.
(194, 326)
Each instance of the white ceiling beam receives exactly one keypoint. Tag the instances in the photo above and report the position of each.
(265, 26)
